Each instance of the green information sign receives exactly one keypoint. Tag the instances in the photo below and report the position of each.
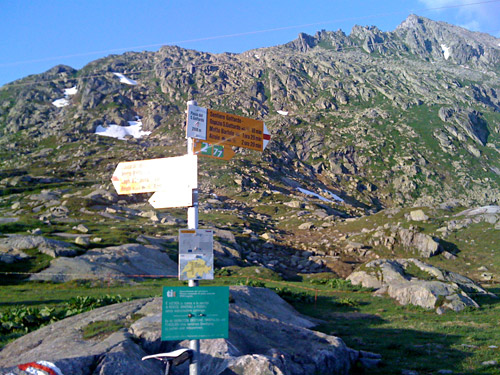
(195, 313)
(212, 150)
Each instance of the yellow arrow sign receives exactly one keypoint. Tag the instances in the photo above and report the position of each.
(220, 128)
(214, 151)
(228, 129)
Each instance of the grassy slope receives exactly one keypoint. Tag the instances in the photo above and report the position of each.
(407, 337)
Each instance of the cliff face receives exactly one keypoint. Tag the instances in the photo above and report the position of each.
(384, 118)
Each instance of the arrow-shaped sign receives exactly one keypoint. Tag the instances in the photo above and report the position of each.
(165, 174)
(172, 199)
(222, 128)
(214, 151)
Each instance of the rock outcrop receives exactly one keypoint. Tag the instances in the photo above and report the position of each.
(16, 243)
(127, 261)
(410, 281)
(425, 245)
(266, 336)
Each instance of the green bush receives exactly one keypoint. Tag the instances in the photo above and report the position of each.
(25, 319)
(347, 302)
(338, 284)
(253, 283)
(293, 296)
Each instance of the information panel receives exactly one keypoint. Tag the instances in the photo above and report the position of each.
(196, 254)
(195, 313)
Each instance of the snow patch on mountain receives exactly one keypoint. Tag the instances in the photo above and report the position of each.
(125, 80)
(63, 102)
(59, 103)
(335, 196)
(446, 51)
(71, 91)
(121, 132)
(310, 193)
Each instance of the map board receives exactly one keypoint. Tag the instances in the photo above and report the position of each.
(195, 313)
(196, 254)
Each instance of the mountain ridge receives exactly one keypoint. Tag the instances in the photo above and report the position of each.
(342, 95)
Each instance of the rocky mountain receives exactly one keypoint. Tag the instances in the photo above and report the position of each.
(383, 146)
(409, 117)
(361, 122)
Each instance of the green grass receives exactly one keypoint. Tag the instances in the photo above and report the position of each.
(34, 263)
(407, 337)
(101, 329)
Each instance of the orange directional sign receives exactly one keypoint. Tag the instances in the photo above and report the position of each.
(214, 151)
(224, 128)
(165, 174)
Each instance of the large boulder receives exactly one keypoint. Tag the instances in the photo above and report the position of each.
(410, 281)
(15, 243)
(425, 245)
(266, 336)
(125, 261)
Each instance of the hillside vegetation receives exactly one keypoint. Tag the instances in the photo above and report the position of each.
(383, 161)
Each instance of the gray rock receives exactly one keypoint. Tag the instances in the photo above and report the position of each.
(157, 241)
(6, 220)
(54, 248)
(423, 243)
(81, 228)
(490, 363)
(82, 240)
(61, 343)
(492, 210)
(225, 255)
(294, 204)
(101, 196)
(441, 290)
(306, 226)
(10, 258)
(125, 261)
(418, 215)
(263, 335)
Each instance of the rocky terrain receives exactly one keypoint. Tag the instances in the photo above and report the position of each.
(383, 164)
(247, 351)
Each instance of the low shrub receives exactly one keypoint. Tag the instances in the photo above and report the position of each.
(25, 319)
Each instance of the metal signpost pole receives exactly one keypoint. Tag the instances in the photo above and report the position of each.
(192, 219)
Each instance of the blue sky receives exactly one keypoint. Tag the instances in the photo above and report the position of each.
(39, 34)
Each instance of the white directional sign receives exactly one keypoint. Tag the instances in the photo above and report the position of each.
(196, 122)
(171, 175)
(172, 199)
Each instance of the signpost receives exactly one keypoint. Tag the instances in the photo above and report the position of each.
(226, 129)
(195, 313)
(166, 174)
(192, 313)
(172, 198)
